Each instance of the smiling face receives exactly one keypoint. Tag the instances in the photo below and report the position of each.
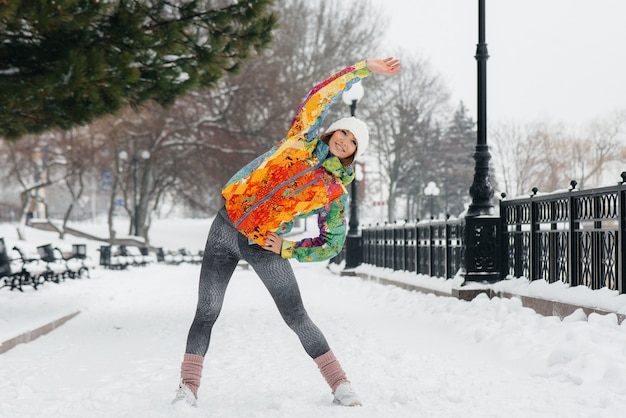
(342, 143)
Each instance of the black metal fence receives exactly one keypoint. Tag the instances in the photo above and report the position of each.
(433, 248)
(575, 237)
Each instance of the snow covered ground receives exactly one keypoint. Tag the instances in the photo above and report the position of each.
(407, 354)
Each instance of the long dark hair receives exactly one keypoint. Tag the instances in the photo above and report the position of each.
(346, 162)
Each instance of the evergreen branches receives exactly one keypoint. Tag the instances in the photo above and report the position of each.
(66, 62)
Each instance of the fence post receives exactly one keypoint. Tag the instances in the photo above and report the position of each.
(389, 255)
(447, 252)
(553, 244)
(534, 262)
(596, 246)
(380, 245)
(573, 241)
(621, 248)
(365, 244)
(399, 246)
(431, 250)
(505, 237)
(423, 249)
(411, 246)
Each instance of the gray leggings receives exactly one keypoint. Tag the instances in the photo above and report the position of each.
(224, 248)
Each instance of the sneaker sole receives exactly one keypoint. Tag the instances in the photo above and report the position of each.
(355, 403)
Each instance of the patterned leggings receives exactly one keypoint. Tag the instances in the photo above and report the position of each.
(224, 248)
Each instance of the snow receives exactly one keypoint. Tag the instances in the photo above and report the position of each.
(602, 299)
(407, 354)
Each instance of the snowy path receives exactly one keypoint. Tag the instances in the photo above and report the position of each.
(407, 354)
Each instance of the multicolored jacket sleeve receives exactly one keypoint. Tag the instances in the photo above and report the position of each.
(313, 109)
(332, 226)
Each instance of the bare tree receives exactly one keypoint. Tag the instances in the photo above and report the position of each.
(144, 161)
(31, 162)
(405, 117)
(546, 156)
(607, 137)
(229, 126)
(195, 145)
(507, 138)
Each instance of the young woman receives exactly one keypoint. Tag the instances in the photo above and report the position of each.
(304, 174)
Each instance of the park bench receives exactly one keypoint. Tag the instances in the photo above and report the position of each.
(184, 256)
(11, 273)
(71, 265)
(189, 257)
(160, 255)
(136, 256)
(20, 269)
(149, 257)
(179, 256)
(36, 266)
(133, 258)
(24, 265)
(56, 268)
(172, 257)
(111, 258)
(76, 260)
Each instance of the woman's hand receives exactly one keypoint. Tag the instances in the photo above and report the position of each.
(274, 243)
(384, 66)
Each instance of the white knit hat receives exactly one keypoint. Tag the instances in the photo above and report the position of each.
(358, 129)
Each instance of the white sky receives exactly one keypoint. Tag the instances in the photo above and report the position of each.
(552, 60)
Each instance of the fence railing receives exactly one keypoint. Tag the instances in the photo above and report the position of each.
(575, 237)
(434, 248)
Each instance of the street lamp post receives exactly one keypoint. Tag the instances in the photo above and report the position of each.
(353, 240)
(481, 189)
(134, 160)
(482, 226)
(432, 191)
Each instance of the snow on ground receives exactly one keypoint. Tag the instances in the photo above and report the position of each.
(408, 354)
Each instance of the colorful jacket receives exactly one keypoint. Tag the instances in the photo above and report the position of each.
(298, 177)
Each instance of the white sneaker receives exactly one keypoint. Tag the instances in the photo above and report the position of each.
(184, 394)
(344, 395)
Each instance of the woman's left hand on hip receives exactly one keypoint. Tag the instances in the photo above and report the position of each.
(273, 243)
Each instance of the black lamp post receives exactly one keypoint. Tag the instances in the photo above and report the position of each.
(431, 190)
(482, 226)
(134, 160)
(353, 240)
(481, 190)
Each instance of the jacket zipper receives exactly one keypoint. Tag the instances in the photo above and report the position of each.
(304, 186)
(281, 185)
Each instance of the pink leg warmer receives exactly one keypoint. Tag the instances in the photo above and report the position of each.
(191, 371)
(331, 370)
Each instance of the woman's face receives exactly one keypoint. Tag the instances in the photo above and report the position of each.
(342, 143)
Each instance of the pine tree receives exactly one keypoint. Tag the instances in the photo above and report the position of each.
(65, 62)
(457, 168)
